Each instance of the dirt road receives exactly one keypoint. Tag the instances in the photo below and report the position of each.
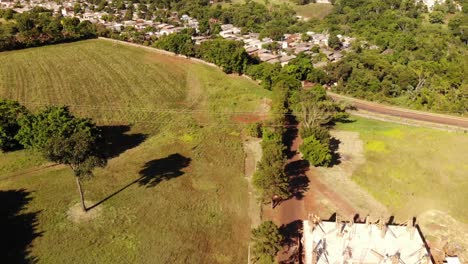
(307, 187)
(440, 119)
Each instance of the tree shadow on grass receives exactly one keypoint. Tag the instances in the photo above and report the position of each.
(17, 230)
(154, 172)
(117, 140)
(158, 170)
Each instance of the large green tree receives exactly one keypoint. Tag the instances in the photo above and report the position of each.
(65, 139)
(80, 152)
(316, 152)
(10, 113)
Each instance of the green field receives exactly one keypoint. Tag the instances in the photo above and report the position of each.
(312, 10)
(175, 188)
(412, 169)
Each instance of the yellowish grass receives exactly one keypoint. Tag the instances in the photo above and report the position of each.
(413, 169)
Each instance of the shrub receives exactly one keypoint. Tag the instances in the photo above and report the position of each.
(255, 130)
(266, 242)
(316, 152)
(10, 113)
(320, 133)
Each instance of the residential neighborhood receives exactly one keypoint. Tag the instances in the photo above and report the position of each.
(267, 50)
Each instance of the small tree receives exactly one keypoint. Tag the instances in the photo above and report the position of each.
(316, 152)
(334, 42)
(266, 242)
(80, 152)
(436, 17)
(10, 113)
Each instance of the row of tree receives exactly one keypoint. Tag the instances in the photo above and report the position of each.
(57, 134)
(39, 27)
(228, 54)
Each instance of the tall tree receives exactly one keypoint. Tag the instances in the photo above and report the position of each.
(270, 179)
(65, 139)
(80, 152)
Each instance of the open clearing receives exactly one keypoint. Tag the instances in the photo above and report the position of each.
(175, 190)
(411, 169)
(312, 10)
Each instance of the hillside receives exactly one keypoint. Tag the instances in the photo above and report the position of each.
(174, 191)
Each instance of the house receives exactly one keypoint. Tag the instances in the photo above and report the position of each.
(170, 30)
(286, 59)
(118, 27)
(225, 27)
(200, 39)
(251, 50)
(268, 57)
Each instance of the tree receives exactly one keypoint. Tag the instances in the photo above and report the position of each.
(316, 152)
(77, 8)
(312, 107)
(334, 42)
(270, 179)
(63, 138)
(267, 241)
(10, 113)
(80, 152)
(436, 17)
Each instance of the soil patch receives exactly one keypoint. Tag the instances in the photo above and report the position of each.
(77, 215)
(443, 234)
(260, 114)
(253, 154)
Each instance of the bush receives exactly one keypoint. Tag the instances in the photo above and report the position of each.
(10, 113)
(266, 242)
(436, 17)
(320, 133)
(255, 130)
(316, 152)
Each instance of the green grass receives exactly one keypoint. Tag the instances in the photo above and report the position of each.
(413, 169)
(198, 216)
(314, 10)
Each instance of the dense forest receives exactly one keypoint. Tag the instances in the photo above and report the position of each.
(40, 27)
(420, 61)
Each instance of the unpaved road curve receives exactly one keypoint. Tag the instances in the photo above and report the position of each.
(403, 113)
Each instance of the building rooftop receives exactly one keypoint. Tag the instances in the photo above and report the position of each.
(348, 242)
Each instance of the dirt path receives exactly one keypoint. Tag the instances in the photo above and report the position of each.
(307, 200)
(445, 120)
(253, 154)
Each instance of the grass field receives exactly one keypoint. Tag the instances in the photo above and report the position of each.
(413, 169)
(312, 10)
(174, 191)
